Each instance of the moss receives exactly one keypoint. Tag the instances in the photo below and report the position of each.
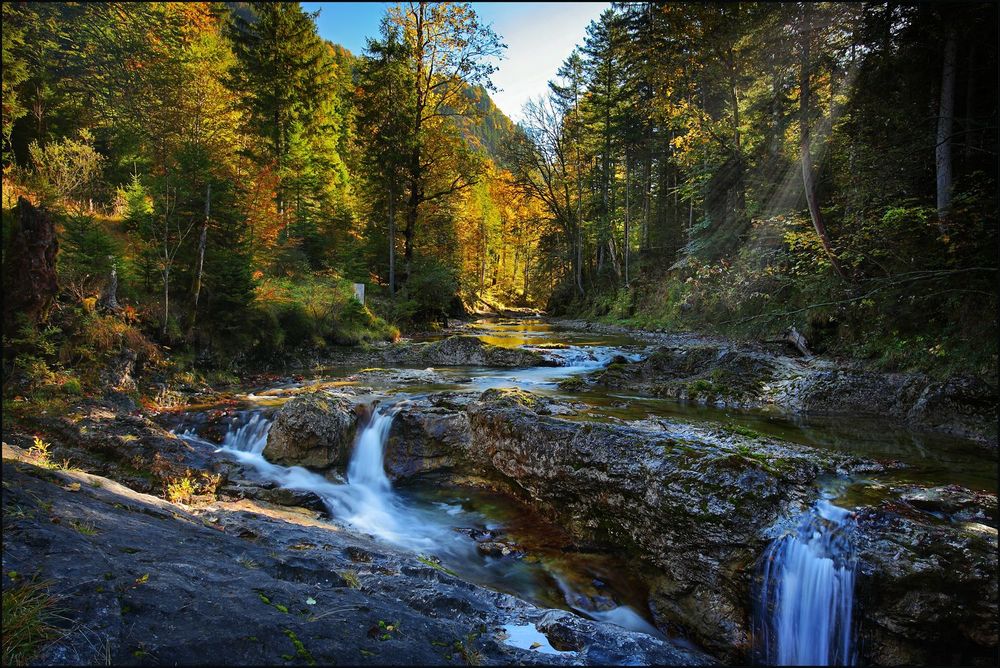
(572, 384)
(511, 398)
(742, 431)
(429, 562)
(300, 649)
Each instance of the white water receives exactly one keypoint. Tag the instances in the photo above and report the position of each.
(366, 502)
(806, 598)
(526, 636)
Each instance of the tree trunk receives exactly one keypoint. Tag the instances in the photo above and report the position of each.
(970, 99)
(392, 244)
(166, 300)
(201, 260)
(808, 180)
(626, 244)
(946, 113)
(579, 259)
(109, 300)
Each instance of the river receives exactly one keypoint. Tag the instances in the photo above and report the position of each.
(805, 593)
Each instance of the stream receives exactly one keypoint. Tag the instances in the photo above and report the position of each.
(804, 599)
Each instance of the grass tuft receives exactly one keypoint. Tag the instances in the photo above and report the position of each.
(28, 613)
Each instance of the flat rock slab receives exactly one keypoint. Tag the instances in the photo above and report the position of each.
(141, 581)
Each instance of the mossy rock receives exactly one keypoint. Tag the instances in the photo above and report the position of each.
(505, 397)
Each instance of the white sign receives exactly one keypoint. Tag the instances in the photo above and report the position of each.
(359, 292)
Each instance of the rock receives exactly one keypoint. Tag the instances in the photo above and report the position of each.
(293, 497)
(131, 449)
(952, 502)
(498, 549)
(704, 373)
(698, 510)
(731, 376)
(394, 377)
(465, 351)
(927, 591)
(562, 634)
(260, 581)
(30, 282)
(845, 391)
(117, 376)
(315, 430)
(965, 407)
(567, 632)
(424, 439)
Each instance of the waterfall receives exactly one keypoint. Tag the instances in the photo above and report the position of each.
(366, 501)
(250, 437)
(366, 468)
(806, 594)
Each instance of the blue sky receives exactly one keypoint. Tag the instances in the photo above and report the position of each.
(539, 36)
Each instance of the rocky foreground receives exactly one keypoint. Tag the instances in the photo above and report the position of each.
(140, 580)
(243, 572)
(700, 506)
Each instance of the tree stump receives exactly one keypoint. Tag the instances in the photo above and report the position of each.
(30, 282)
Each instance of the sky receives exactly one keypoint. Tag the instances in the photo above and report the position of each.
(538, 35)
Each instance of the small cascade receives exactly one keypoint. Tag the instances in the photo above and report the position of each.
(585, 357)
(366, 468)
(804, 604)
(250, 437)
(366, 501)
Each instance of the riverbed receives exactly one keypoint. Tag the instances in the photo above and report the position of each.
(495, 541)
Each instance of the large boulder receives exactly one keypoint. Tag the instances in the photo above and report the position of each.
(426, 438)
(927, 591)
(315, 430)
(843, 391)
(710, 374)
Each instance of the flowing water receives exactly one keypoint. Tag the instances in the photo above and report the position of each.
(442, 526)
(805, 600)
(804, 596)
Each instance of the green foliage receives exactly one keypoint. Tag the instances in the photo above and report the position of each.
(314, 312)
(15, 71)
(65, 170)
(428, 294)
(89, 253)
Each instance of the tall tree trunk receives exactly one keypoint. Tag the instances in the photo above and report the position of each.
(808, 180)
(166, 299)
(626, 244)
(392, 244)
(946, 114)
(970, 98)
(201, 260)
(579, 259)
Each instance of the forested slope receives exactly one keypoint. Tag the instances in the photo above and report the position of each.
(216, 175)
(746, 167)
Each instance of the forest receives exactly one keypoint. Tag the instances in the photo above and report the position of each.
(737, 167)
(324, 335)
